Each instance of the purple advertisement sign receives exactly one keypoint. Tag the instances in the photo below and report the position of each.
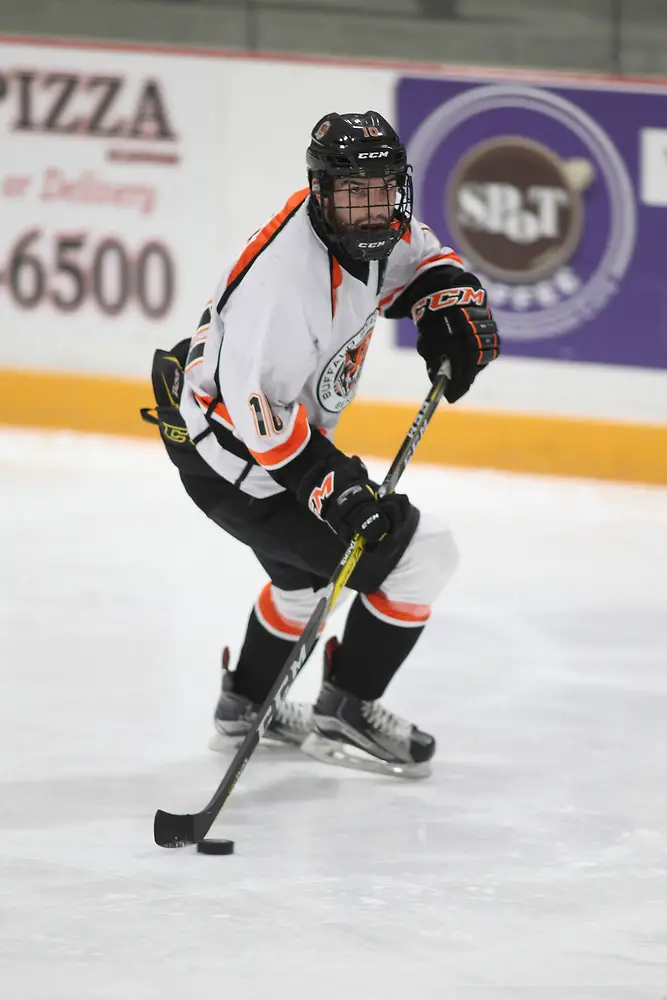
(556, 197)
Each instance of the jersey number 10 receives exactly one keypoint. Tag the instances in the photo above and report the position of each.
(260, 406)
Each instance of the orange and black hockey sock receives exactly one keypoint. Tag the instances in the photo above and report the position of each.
(262, 656)
(371, 651)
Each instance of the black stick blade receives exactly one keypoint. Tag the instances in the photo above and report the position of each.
(171, 830)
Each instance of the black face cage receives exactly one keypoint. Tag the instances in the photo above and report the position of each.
(351, 224)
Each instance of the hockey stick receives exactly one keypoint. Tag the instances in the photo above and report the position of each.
(174, 830)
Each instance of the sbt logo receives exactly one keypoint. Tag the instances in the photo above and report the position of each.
(516, 209)
(506, 210)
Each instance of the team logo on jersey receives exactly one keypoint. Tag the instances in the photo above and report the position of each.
(536, 197)
(338, 382)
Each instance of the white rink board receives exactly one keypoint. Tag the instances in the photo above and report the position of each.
(237, 162)
(239, 129)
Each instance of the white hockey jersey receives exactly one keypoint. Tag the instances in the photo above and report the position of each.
(281, 344)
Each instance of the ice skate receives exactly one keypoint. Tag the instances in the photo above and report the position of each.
(363, 734)
(234, 715)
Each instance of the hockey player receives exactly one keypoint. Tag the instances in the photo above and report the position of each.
(275, 359)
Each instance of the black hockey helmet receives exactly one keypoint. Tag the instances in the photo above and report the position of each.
(363, 220)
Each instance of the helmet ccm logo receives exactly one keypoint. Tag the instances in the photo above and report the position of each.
(380, 154)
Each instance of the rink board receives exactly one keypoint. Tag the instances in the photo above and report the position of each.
(464, 437)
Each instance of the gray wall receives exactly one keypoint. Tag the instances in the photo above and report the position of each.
(628, 36)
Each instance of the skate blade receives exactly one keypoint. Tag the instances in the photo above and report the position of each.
(228, 744)
(345, 755)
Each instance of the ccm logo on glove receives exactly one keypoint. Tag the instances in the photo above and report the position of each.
(456, 325)
(447, 298)
(347, 501)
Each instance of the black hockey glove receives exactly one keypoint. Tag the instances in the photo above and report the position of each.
(456, 324)
(340, 493)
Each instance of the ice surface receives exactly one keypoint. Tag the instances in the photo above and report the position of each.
(532, 865)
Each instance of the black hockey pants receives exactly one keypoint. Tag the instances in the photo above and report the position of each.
(296, 549)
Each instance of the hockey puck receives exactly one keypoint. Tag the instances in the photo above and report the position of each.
(215, 847)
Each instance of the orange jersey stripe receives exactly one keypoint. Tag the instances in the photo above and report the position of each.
(260, 239)
(220, 409)
(336, 282)
(393, 295)
(440, 256)
(283, 453)
(429, 260)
